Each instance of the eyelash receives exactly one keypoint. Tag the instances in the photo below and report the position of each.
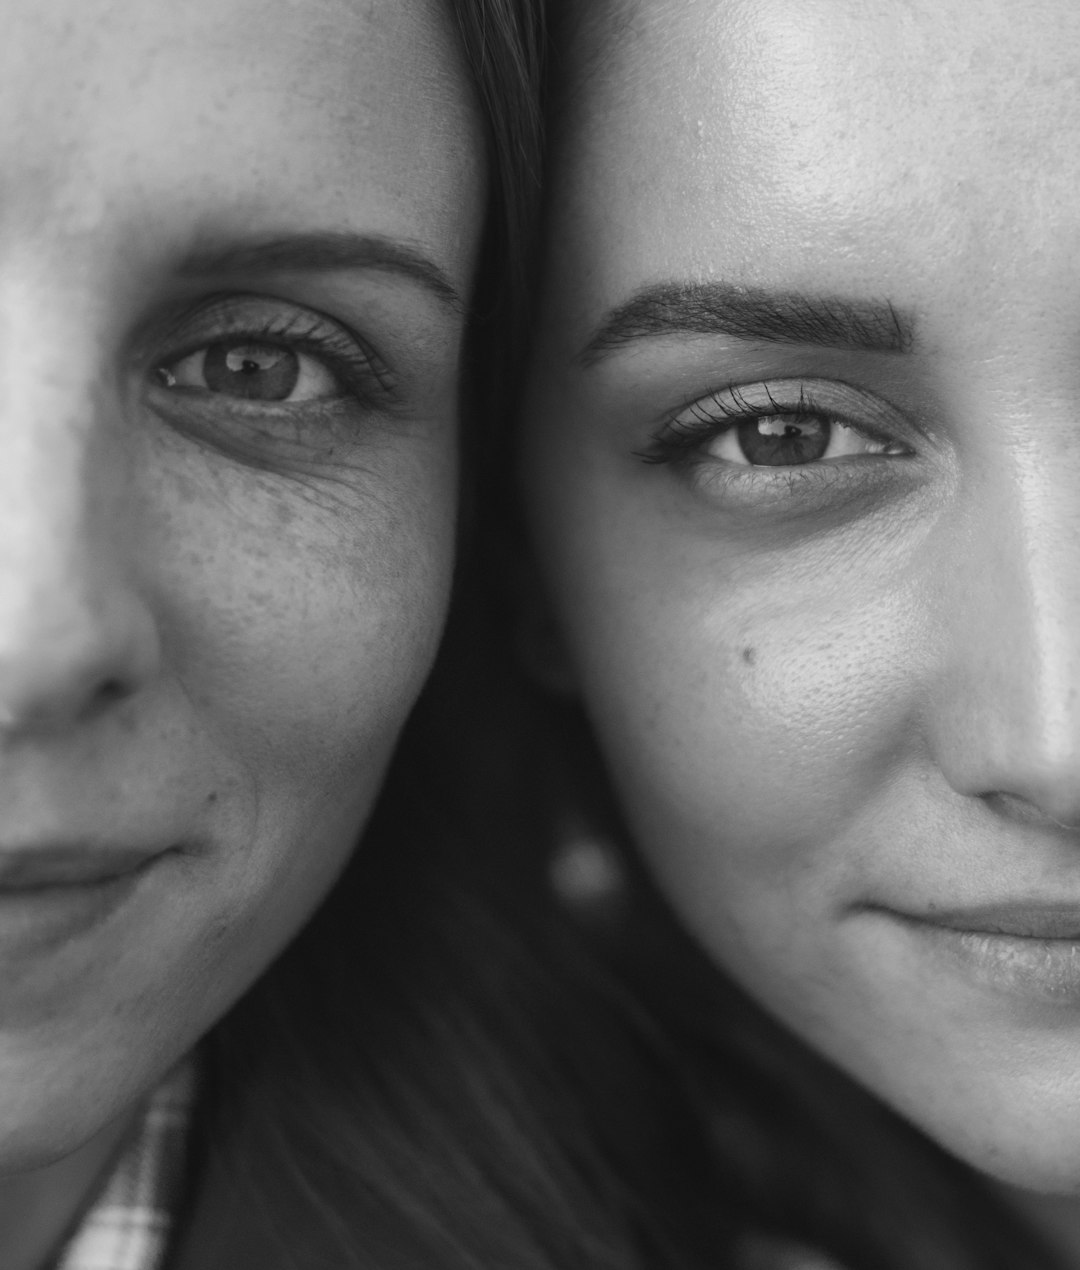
(342, 351)
(710, 417)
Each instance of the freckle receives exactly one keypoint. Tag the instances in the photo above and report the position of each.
(211, 797)
(749, 655)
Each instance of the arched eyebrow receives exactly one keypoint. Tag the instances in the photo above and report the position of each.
(717, 308)
(322, 252)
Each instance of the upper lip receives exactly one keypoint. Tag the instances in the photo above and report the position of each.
(1019, 919)
(37, 868)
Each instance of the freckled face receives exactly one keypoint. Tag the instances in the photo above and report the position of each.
(801, 457)
(235, 240)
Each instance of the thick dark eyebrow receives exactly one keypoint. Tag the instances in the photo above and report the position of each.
(323, 252)
(716, 308)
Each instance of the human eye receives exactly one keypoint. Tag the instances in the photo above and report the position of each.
(243, 362)
(753, 440)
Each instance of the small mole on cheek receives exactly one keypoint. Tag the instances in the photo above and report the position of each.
(749, 655)
(211, 798)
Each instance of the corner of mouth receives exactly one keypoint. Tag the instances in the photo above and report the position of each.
(27, 870)
(1021, 920)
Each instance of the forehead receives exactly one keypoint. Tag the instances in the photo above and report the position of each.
(144, 115)
(815, 142)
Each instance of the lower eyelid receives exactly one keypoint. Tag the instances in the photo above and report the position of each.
(796, 491)
(268, 434)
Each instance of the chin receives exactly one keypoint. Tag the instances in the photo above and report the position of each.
(58, 1099)
(1044, 1168)
(34, 1138)
(1025, 1137)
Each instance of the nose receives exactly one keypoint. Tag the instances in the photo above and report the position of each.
(75, 637)
(1005, 703)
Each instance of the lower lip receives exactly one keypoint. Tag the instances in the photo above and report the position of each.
(35, 922)
(1045, 970)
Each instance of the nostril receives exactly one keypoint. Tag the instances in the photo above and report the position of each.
(60, 704)
(112, 690)
(109, 692)
(73, 657)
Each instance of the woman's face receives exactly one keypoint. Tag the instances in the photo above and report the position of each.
(803, 462)
(235, 239)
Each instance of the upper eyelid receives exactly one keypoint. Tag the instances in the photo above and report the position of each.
(804, 406)
(183, 333)
(805, 390)
(737, 392)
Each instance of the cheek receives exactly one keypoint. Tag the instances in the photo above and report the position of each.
(303, 616)
(752, 709)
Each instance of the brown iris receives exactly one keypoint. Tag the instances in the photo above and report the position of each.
(260, 372)
(783, 440)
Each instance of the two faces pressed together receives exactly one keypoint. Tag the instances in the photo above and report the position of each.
(797, 453)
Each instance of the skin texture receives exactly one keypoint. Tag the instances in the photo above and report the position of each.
(835, 694)
(215, 612)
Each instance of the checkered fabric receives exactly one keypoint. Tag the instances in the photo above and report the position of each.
(127, 1226)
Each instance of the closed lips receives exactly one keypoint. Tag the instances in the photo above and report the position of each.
(41, 868)
(1017, 921)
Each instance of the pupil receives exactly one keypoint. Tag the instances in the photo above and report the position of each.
(783, 440)
(259, 372)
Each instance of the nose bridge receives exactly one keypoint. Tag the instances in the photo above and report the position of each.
(1048, 627)
(1008, 696)
(46, 539)
(71, 634)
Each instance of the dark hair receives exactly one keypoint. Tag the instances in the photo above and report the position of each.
(423, 1077)
(503, 45)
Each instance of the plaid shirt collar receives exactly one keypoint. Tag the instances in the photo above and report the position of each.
(127, 1226)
